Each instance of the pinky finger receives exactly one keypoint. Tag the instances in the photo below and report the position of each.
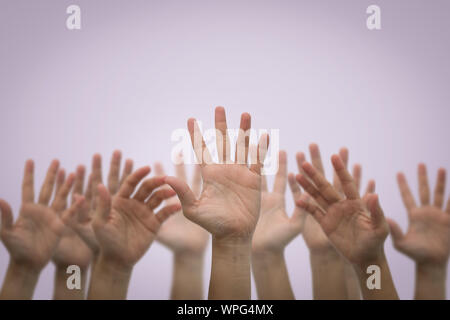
(167, 211)
(7, 216)
(370, 187)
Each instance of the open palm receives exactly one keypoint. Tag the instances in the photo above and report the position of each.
(428, 236)
(125, 227)
(230, 200)
(33, 239)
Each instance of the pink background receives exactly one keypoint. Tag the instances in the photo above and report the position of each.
(138, 69)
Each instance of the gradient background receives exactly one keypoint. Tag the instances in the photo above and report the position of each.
(138, 69)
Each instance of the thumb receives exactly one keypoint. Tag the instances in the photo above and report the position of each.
(7, 216)
(376, 212)
(396, 231)
(187, 197)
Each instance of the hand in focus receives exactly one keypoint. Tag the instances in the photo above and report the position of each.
(427, 239)
(229, 204)
(34, 237)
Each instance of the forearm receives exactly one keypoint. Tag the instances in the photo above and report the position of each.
(387, 290)
(230, 270)
(19, 283)
(109, 281)
(61, 289)
(352, 282)
(271, 276)
(328, 275)
(187, 277)
(430, 281)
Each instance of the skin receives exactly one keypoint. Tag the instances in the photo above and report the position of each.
(187, 241)
(427, 240)
(333, 277)
(274, 231)
(228, 206)
(125, 226)
(355, 227)
(33, 239)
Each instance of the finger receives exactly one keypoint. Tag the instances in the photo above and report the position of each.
(312, 209)
(167, 211)
(185, 194)
(370, 187)
(316, 159)
(49, 183)
(396, 231)
(357, 176)
(197, 181)
(376, 212)
(281, 176)
(348, 185)
(243, 139)
(78, 185)
(96, 173)
(60, 179)
(180, 169)
(130, 184)
(300, 157)
(199, 145)
(114, 172)
(159, 169)
(263, 146)
(89, 193)
(325, 188)
(440, 188)
(127, 170)
(312, 191)
(103, 206)
(147, 187)
(448, 206)
(159, 196)
(222, 139)
(407, 197)
(60, 201)
(295, 189)
(7, 216)
(343, 154)
(424, 189)
(28, 182)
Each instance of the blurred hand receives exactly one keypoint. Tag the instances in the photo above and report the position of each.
(126, 226)
(356, 227)
(34, 237)
(178, 233)
(275, 229)
(81, 223)
(314, 236)
(428, 237)
(229, 204)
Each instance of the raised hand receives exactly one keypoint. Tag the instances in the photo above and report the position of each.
(228, 206)
(186, 240)
(275, 229)
(179, 234)
(356, 227)
(427, 240)
(125, 227)
(32, 240)
(81, 222)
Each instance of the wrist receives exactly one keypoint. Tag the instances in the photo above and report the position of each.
(432, 271)
(110, 266)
